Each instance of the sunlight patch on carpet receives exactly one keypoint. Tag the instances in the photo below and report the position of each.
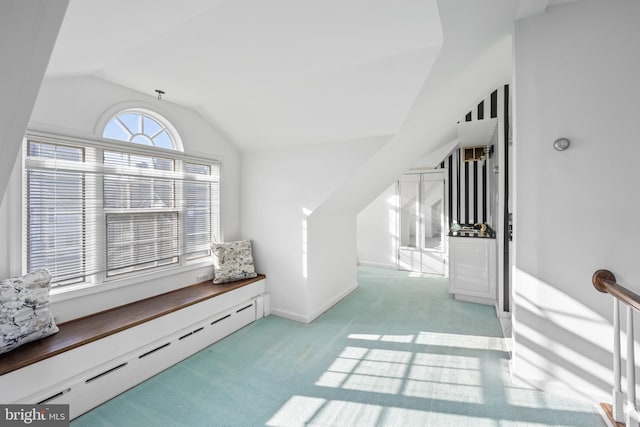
(461, 341)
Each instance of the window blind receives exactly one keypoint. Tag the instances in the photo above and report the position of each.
(93, 211)
(199, 196)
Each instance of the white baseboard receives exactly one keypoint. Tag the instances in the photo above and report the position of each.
(302, 318)
(477, 300)
(289, 315)
(501, 313)
(333, 301)
(297, 317)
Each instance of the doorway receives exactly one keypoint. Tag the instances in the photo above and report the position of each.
(421, 221)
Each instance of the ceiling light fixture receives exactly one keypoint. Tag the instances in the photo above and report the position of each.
(160, 93)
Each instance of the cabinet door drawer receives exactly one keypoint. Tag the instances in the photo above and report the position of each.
(472, 270)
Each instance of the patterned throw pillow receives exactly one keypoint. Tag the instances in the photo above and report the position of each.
(232, 261)
(24, 310)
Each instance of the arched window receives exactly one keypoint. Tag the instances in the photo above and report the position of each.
(158, 208)
(142, 127)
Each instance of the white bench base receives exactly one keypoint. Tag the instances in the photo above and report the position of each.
(91, 374)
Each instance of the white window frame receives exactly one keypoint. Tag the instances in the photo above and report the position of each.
(164, 123)
(99, 282)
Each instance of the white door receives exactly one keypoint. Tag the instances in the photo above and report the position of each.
(421, 223)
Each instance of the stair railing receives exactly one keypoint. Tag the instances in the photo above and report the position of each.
(605, 281)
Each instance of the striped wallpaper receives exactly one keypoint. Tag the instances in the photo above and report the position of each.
(468, 182)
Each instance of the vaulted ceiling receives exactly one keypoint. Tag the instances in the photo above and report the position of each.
(265, 72)
(271, 73)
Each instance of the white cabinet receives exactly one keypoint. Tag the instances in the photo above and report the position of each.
(472, 269)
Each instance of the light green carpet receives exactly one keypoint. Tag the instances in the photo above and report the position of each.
(396, 352)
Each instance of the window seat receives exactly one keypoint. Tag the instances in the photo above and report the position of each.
(94, 358)
(90, 328)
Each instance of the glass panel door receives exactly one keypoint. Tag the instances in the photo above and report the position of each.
(421, 223)
(432, 206)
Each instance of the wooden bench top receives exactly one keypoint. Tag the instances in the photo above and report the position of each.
(84, 330)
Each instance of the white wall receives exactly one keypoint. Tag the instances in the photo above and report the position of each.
(330, 278)
(377, 230)
(28, 30)
(576, 76)
(79, 106)
(280, 190)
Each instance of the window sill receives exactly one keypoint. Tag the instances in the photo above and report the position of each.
(80, 290)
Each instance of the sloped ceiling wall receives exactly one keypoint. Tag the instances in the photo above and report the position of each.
(28, 31)
(267, 73)
(475, 59)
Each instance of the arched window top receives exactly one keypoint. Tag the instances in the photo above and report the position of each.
(142, 127)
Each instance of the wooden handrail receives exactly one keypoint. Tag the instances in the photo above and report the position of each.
(604, 281)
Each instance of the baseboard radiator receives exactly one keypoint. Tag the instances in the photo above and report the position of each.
(90, 375)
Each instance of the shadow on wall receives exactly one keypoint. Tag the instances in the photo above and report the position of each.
(561, 344)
